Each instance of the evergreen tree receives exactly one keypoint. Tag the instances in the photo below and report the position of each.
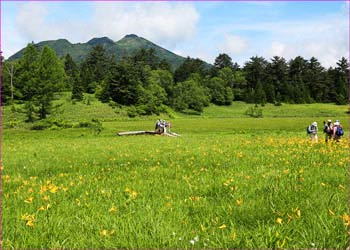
(94, 68)
(342, 81)
(27, 72)
(147, 57)
(50, 77)
(256, 76)
(188, 67)
(277, 77)
(222, 61)
(297, 88)
(315, 80)
(77, 89)
(165, 65)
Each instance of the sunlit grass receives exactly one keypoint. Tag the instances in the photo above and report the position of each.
(241, 183)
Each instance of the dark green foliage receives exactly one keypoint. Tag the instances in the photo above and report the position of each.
(341, 80)
(146, 57)
(27, 72)
(217, 91)
(94, 68)
(260, 95)
(190, 95)
(256, 71)
(143, 79)
(77, 90)
(222, 61)
(50, 77)
(164, 79)
(188, 67)
(123, 81)
(29, 110)
(73, 78)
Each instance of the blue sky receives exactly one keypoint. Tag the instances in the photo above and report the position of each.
(196, 29)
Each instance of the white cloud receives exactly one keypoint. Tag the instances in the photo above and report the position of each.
(165, 23)
(326, 39)
(233, 44)
(31, 19)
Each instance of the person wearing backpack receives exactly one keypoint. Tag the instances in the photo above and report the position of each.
(338, 131)
(328, 130)
(312, 131)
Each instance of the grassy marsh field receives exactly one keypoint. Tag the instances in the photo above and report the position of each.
(228, 181)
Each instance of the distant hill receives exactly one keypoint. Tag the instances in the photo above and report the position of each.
(127, 46)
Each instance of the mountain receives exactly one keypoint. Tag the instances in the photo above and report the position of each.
(127, 46)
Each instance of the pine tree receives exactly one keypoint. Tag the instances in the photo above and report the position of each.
(27, 72)
(222, 61)
(342, 81)
(50, 77)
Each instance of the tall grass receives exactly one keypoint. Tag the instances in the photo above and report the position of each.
(226, 182)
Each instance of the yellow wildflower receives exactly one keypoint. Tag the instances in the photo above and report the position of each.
(29, 200)
(25, 217)
(346, 219)
(54, 189)
(104, 232)
(43, 189)
(30, 223)
(113, 209)
(41, 208)
(279, 221)
(297, 211)
(133, 194)
(239, 202)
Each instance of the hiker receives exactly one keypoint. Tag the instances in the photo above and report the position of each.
(328, 130)
(312, 131)
(338, 131)
(158, 127)
(164, 125)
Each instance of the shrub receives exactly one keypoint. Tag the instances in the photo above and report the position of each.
(255, 112)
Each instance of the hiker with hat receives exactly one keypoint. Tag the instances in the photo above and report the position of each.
(328, 130)
(312, 131)
(338, 131)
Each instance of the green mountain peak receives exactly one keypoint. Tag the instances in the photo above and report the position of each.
(127, 46)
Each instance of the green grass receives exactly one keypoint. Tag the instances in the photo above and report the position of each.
(228, 181)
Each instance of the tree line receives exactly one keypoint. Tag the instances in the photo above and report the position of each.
(147, 84)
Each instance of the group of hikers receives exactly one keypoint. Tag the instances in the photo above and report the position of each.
(161, 126)
(331, 130)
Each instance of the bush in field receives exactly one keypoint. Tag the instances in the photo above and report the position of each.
(255, 112)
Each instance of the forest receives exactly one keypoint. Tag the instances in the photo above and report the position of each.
(147, 85)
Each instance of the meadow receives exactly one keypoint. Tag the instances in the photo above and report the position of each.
(228, 181)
